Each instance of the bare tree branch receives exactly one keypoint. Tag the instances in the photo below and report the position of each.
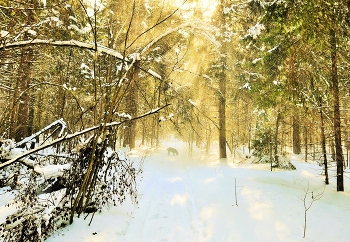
(156, 24)
(194, 25)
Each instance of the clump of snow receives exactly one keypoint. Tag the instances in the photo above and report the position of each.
(32, 32)
(84, 66)
(134, 56)
(153, 73)
(73, 18)
(255, 31)
(86, 71)
(124, 115)
(4, 33)
(8, 149)
(259, 112)
(207, 77)
(51, 171)
(227, 10)
(273, 49)
(54, 19)
(256, 60)
(192, 102)
(247, 86)
(84, 30)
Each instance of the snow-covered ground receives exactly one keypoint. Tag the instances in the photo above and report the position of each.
(194, 199)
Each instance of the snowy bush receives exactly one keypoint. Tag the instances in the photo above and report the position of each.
(34, 223)
(115, 178)
(45, 194)
(262, 150)
(284, 163)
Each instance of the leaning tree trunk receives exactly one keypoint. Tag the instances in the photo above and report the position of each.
(336, 110)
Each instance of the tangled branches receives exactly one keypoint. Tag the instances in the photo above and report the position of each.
(46, 204)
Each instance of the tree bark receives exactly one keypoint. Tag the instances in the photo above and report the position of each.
(222, 116)
(306, 142)
(276, 137)
(323, 142)
(336, 110)
(296, 135)
(24, 75)
(21, 123)
(222, 89)
(132, 103)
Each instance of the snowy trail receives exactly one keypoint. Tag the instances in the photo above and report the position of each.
(171, 214)
(193, 200)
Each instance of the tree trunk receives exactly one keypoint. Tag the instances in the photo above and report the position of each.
(132, 103)
(323, 142)
(222, 117)
(208, 139)
(276, 138)
(336, 110)
(305, 141)
(24, 75)
(61, 102)
(31, 116)
(21, 113)
(158, 118)
(293, 85)
(296, 135)
(221, 75)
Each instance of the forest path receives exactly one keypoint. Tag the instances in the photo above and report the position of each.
(185, 199)
(167, 211)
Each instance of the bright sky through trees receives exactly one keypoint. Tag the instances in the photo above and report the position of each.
(207, 6)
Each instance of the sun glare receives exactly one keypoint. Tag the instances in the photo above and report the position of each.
(207, 7)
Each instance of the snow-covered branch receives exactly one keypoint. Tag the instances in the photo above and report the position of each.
(20, 155)
(60, 122)
(73, 43)
(79, 44)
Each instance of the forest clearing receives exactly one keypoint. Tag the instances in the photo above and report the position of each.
(174, 120)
